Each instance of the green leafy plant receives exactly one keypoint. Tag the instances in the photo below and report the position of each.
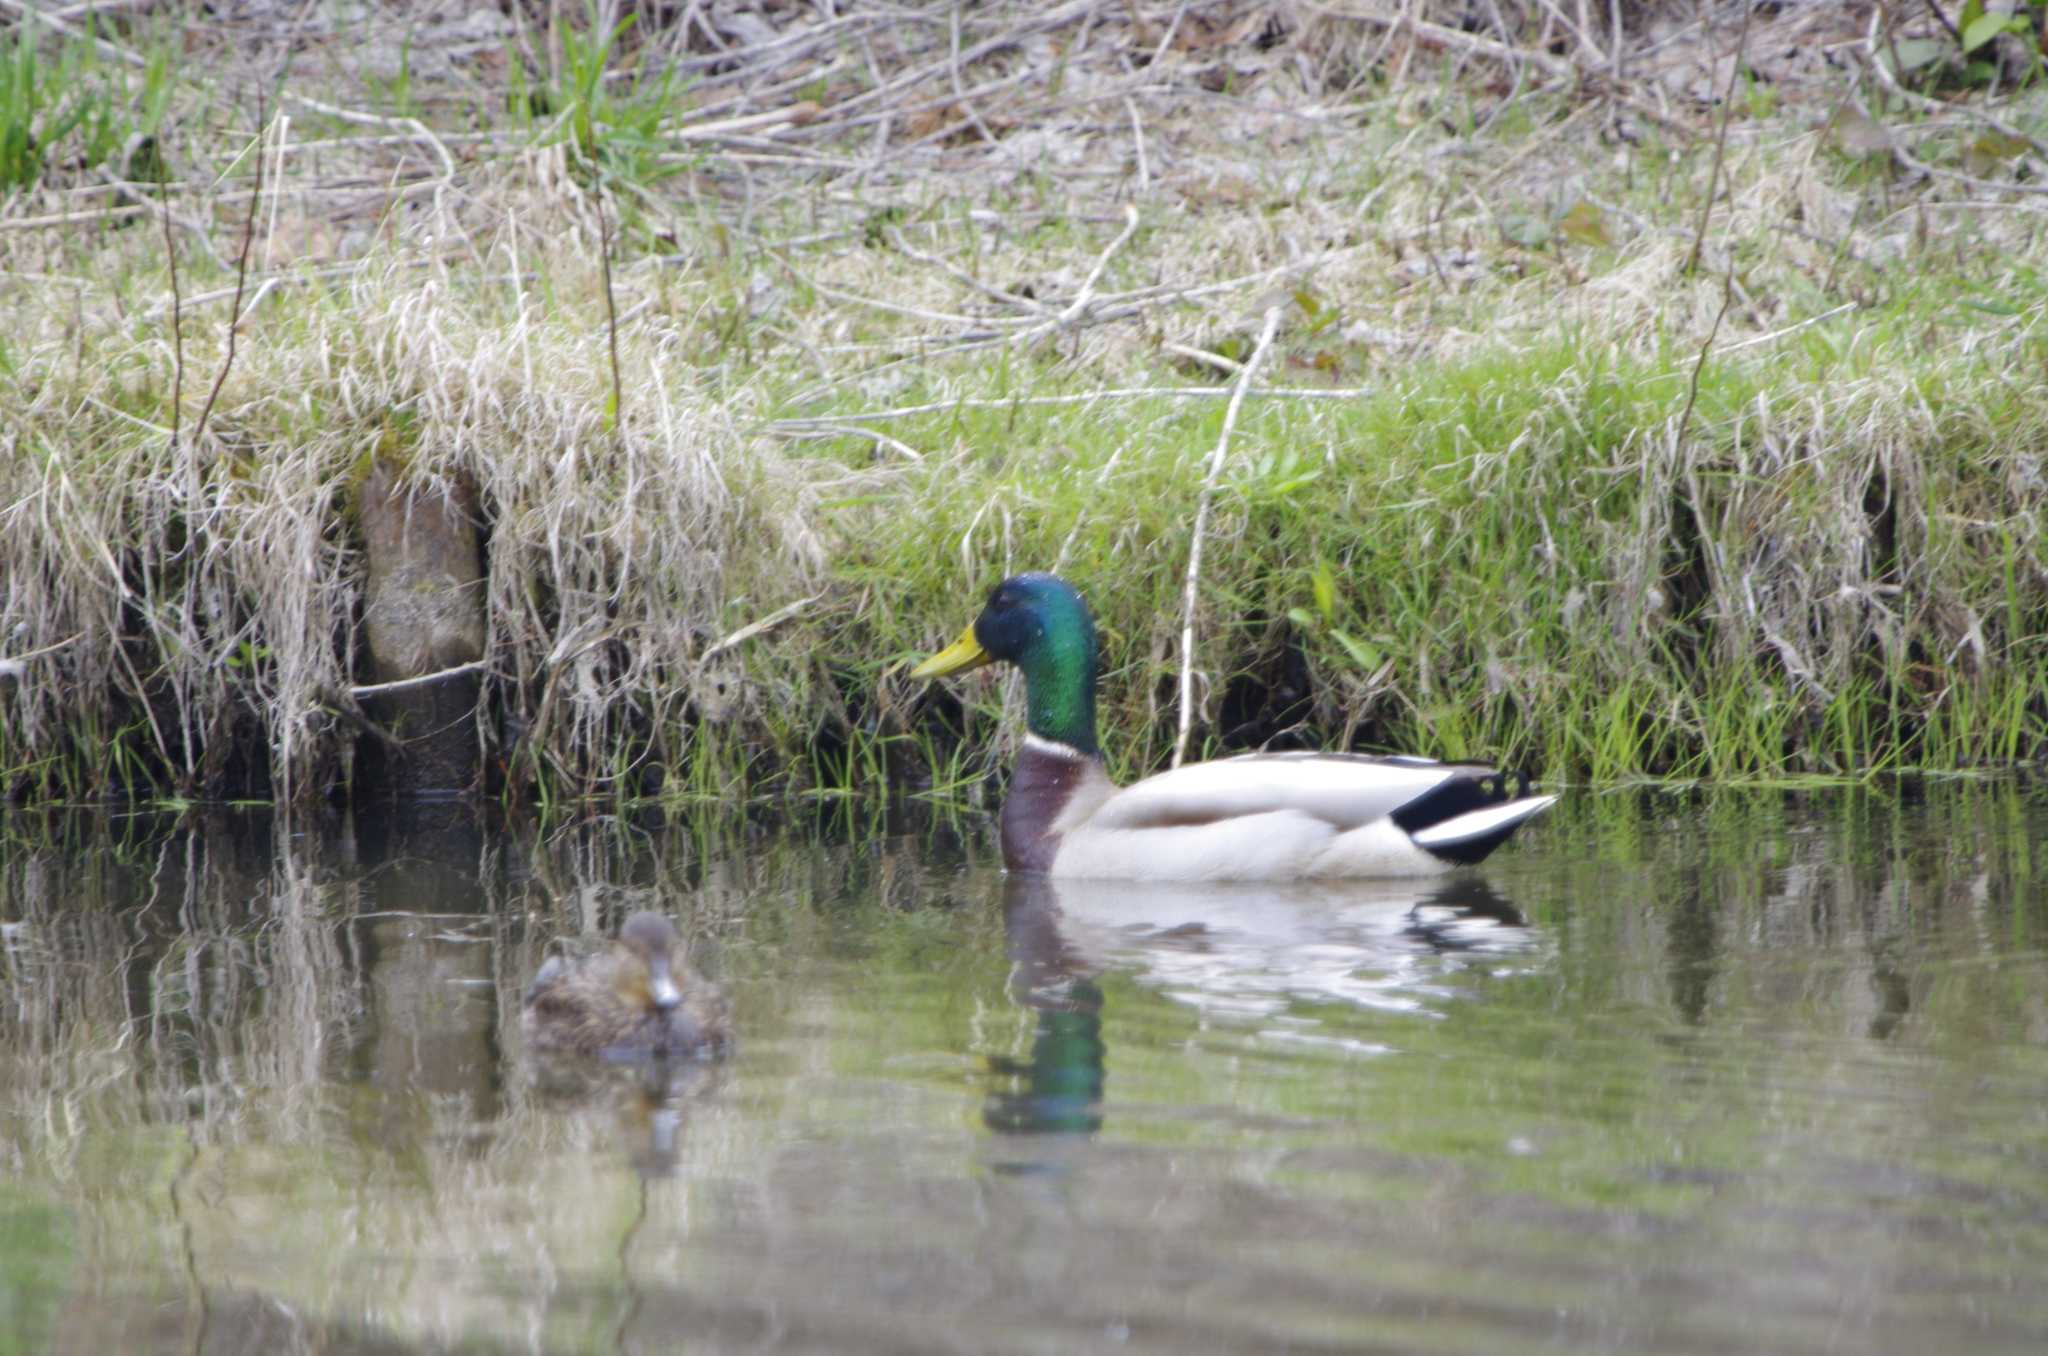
(1980, 27)
(615, 123)
(1971, 38)
(397, 90)
(68, 108)
(34, 111)
(1366, 653)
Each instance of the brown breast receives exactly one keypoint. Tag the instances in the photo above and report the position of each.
(1040, 789)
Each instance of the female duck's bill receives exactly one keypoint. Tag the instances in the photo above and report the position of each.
(1256, 817)
(632, 1000)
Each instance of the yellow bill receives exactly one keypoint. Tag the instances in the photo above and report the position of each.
(963, 654)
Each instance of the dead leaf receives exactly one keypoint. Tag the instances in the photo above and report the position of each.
(1860, 134)
(1585, 224)
(1992, 152)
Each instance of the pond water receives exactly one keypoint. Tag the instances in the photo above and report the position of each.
(1674, 1072)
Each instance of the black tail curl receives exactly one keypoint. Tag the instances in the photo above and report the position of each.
(1474, 789)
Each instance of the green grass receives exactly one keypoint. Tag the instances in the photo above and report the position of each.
(61, 103)
(1553, 603)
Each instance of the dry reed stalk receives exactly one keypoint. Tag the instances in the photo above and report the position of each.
(1191, 586)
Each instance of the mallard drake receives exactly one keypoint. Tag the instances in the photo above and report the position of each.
(629, 1000)
(1255, 817)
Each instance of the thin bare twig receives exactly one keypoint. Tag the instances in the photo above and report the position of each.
(1943, 19)
(1073, 312)
(407, 684)
(1614, 34)
(765, 624)
(1699, 239)
(177, 318)
(241, 276)
(963, 277)
(420, 130)
(611, 308)
(105, 48)
(1138, 136)
(1080, 398)
(1907, 160)
(1229, 367)
(776, 119)
(875, 435)
(364, 724)
(51, 648)
(964, 104)
(120, 212)
(1191, 587)
(1692, 393)
(1807, 323)
(1166, 38)
(1442, 36)
(1087, 293)
(97, 7)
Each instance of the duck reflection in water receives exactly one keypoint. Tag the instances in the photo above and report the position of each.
(1467, 917)
(1059, 1088)
(1245, 951)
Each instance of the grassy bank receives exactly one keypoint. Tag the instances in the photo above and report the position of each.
(1600, 435)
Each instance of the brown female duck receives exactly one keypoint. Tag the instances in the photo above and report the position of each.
(630, 1000)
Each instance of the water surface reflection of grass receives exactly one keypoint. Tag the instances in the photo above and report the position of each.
(1729, 1072)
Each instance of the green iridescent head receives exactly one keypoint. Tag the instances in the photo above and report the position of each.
(1040, 624)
